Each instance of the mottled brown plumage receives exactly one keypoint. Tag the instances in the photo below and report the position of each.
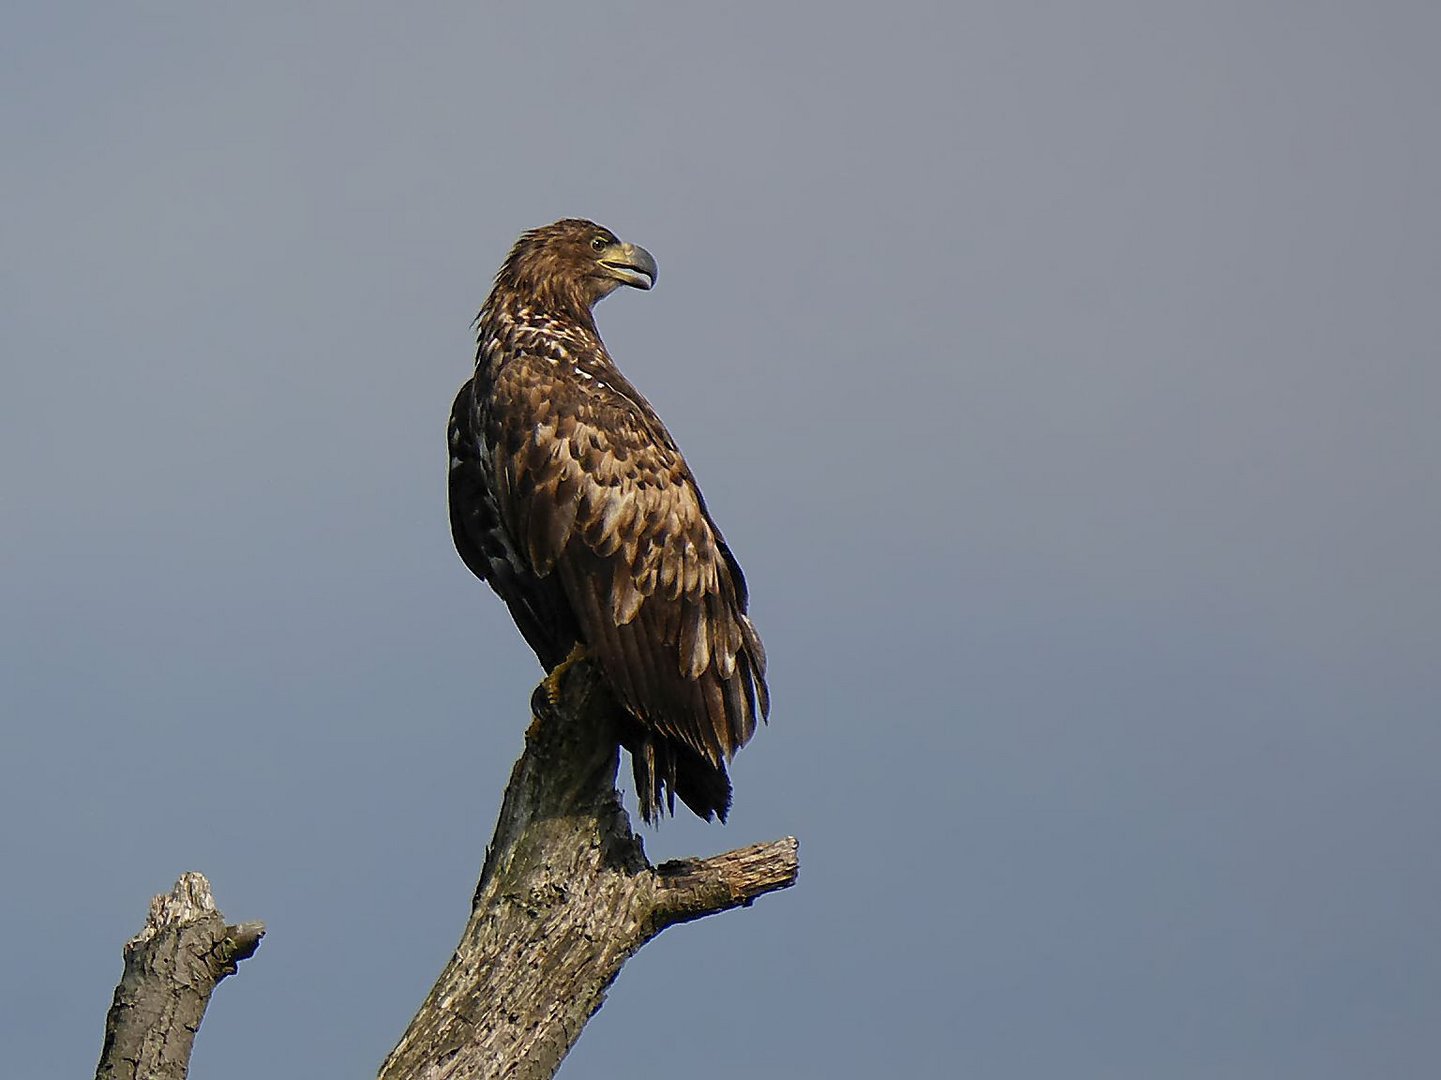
(570, 498)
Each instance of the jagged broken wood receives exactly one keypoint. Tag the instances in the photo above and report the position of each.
(566, 896)
(171, 968)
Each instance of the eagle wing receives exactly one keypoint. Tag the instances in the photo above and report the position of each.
(594, 491)
(537, 607)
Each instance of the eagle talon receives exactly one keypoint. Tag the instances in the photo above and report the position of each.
(545, 699)
(542, 707)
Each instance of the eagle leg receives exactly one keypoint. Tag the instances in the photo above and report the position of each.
(545, 701)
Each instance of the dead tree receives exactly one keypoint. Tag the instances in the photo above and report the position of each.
(171, 968)
(566, 896)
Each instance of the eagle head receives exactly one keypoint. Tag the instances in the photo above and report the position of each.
(574, 263)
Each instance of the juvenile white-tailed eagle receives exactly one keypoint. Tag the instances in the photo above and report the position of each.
(569, 496)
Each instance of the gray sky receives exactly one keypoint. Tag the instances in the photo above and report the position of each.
(1065, 377)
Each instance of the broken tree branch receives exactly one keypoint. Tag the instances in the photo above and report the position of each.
(171, 968)
(566, 896)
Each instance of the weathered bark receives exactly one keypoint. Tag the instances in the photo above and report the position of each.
(171, 968)
(565, 897)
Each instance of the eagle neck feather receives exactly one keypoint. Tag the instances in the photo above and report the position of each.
(556, 300)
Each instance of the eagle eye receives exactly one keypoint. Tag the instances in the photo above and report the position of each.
(599, 243)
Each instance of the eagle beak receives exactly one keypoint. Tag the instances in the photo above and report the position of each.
(630, 265)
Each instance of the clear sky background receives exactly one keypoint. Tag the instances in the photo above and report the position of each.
(1066, 378)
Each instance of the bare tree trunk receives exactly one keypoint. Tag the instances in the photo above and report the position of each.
(565, 897)
(171, 968)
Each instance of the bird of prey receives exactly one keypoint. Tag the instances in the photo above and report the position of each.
(570, 498)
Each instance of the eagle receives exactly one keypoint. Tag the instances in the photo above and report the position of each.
(570, 498)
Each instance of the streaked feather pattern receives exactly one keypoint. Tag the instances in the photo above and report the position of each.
(572, 500)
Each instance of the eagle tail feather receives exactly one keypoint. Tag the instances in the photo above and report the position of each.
(665, 769)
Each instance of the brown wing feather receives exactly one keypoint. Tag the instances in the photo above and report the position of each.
(591, 480)
(537, 606)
